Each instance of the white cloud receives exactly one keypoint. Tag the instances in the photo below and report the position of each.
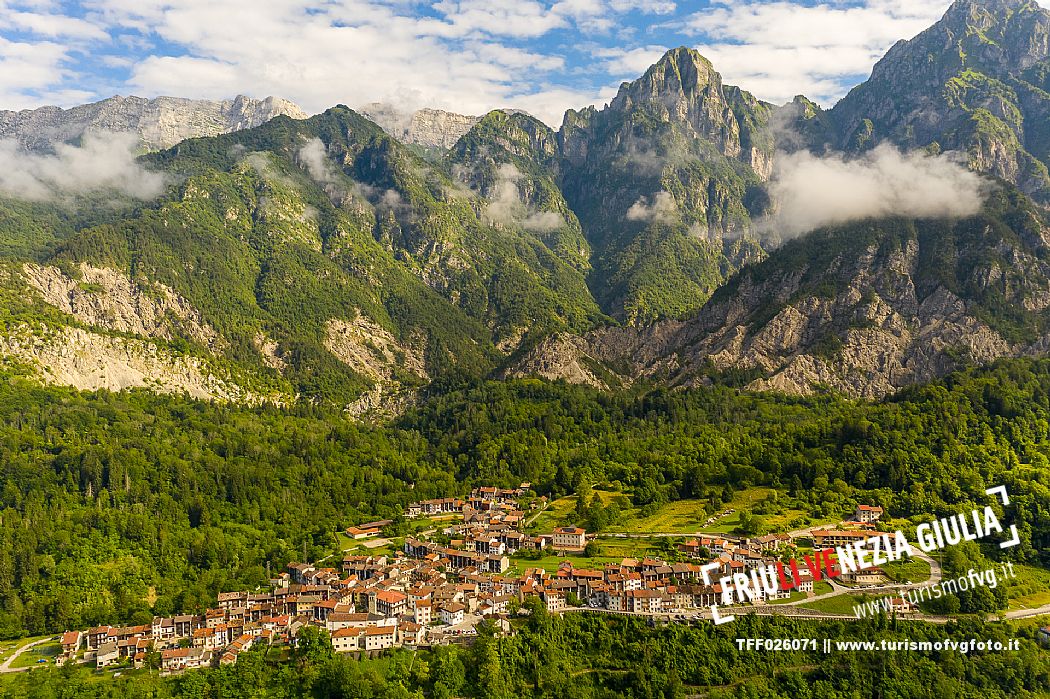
(52, 25)
(186, 75)
(650, 7)
(517, 18)
(116, 61)
(549, 104)
(104, 162)
(543, 222)
(36, 66)
(467, 56)
(355, 52)
(629, 63)
(313, 156)
(787, 24)
(780, 49)
(661, 208)
(812, 191)
(516, 58)
(391, 199)
(505, 206)
(28, 69)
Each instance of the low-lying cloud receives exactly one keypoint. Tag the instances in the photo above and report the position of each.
(506, 207)
(661, 208)
(814, 191)
(543, 222)
(104, 162)
(314, 158)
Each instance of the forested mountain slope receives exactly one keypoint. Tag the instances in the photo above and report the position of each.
(117, 507)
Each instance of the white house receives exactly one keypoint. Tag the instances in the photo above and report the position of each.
(108, 654)
(452, 613)
(424, 613)
(570, 538)
(380, 637)
(867, 513)
(346, 640)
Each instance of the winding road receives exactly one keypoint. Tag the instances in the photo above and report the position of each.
(1025, 613)
(6, 666)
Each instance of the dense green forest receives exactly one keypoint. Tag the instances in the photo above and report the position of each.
(584, 656)
(116, 507)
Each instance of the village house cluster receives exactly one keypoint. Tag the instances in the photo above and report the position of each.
(863, 525)
(430, 593)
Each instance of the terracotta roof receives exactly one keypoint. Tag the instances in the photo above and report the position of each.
(847, 534)
(380, 630)
(346, 633)
(391, 597)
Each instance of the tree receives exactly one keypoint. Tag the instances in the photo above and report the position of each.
(491, 682)
(448, 672)
(750, 525)
(313, 646)
(153, 658)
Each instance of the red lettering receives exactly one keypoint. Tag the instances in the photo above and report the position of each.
(813, 563)
(784, 585)
(831, 566)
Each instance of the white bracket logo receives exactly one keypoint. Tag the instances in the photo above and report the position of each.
(715, 616)
(1015, 539)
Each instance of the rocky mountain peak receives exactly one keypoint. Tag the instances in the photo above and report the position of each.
(997, 36)
(159, 123)
(517, 133)
(431, 128)
(683, 91)
(680, 75)
(970, 10)
(974, 82)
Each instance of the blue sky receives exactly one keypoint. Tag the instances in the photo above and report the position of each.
(463, 55)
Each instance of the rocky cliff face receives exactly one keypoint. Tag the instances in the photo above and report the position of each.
(105, 298)
(370, 350)
(432, 128)
(684, 91)
(863, 309)
(160, 123)
(975, 82)
(665, 182)
(109, 337)
(91, 361)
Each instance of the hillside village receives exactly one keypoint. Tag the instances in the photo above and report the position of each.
(431, 593)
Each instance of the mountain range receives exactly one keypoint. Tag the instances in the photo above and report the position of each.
(357, 257)
(975, 82)
(429, 128)
(158, 123)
